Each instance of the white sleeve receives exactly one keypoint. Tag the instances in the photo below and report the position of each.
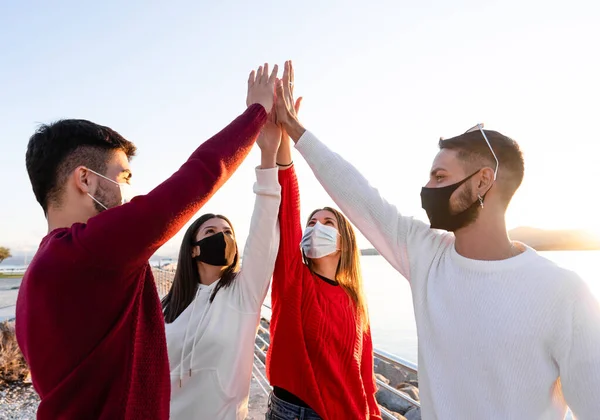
(579, 363)
(262, 243)
(399, 239)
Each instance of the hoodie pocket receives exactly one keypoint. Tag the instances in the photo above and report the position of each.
(203, 392)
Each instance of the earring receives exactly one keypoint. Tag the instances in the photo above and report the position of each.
(480, 200)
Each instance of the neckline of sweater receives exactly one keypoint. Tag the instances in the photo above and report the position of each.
(520, 260)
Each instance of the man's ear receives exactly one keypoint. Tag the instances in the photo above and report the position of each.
(486, 180)
(83, 179)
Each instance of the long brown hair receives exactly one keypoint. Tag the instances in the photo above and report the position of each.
(348, 273)
(186, 280)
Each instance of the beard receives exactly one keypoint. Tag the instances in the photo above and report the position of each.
(467, 204)
(107, 197)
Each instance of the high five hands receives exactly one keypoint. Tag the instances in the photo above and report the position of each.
(285, 106)
(261, 88)
(277, 97)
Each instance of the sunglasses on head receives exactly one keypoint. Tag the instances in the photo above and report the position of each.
(480, 128)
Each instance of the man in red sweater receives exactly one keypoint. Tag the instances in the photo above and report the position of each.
(89, 320)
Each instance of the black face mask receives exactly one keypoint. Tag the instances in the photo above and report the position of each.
(436, 202)
(218, 250)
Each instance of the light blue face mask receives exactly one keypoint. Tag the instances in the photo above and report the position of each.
(125, 189)
(319, 241)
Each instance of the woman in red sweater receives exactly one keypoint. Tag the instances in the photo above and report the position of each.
(320, 361)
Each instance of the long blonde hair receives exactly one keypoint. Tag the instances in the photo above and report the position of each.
(348, 273)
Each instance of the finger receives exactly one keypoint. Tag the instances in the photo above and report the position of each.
(286, 73)
(287, 89)
(265, 75)
(286, 80)
(281, 104)
(297, 105)
(273, 76)
(251, 79)
(259, 73)
(290, 78)
(291, 71)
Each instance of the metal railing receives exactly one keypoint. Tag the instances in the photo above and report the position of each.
(396, 361)
(163, 281)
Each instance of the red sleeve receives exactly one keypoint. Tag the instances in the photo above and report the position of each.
(368, 375)
(128, 235)
(289, 257)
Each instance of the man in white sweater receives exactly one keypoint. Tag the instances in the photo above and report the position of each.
(503, 332)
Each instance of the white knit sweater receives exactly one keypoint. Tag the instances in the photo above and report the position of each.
(211, 345)
(510, 339)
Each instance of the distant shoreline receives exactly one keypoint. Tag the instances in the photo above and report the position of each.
(544, 240)
(538, 239)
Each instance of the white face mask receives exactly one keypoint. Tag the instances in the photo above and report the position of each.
(319, 241)
(125, 189)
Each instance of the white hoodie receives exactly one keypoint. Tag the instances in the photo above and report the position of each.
(211, 345)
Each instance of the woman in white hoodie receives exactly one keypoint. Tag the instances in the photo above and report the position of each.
(213, 308)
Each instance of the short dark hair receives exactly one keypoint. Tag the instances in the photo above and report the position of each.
(474, 151)
(56, 149)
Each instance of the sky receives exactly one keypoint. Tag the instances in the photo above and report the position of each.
(382, 81)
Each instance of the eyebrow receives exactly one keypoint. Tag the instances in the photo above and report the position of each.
(314, 219)
(436, 170)
(214, 227)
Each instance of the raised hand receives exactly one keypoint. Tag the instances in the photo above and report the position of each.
(261, 87)
(288, 90)
(286, 108)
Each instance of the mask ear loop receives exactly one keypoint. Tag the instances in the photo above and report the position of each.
(304, 258)
(99, 203)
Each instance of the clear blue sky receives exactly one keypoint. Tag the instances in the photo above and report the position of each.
(382, 81)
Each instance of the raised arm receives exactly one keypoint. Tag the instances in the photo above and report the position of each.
(263, 240)
(579, 361)
(399, 239)
(128, 235)
(289, 258)
(289, 262)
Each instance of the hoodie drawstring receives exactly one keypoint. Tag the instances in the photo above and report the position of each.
(185, 338)
(196, 339)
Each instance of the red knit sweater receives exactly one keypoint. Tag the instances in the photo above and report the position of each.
(318, 351)
(89, 320)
